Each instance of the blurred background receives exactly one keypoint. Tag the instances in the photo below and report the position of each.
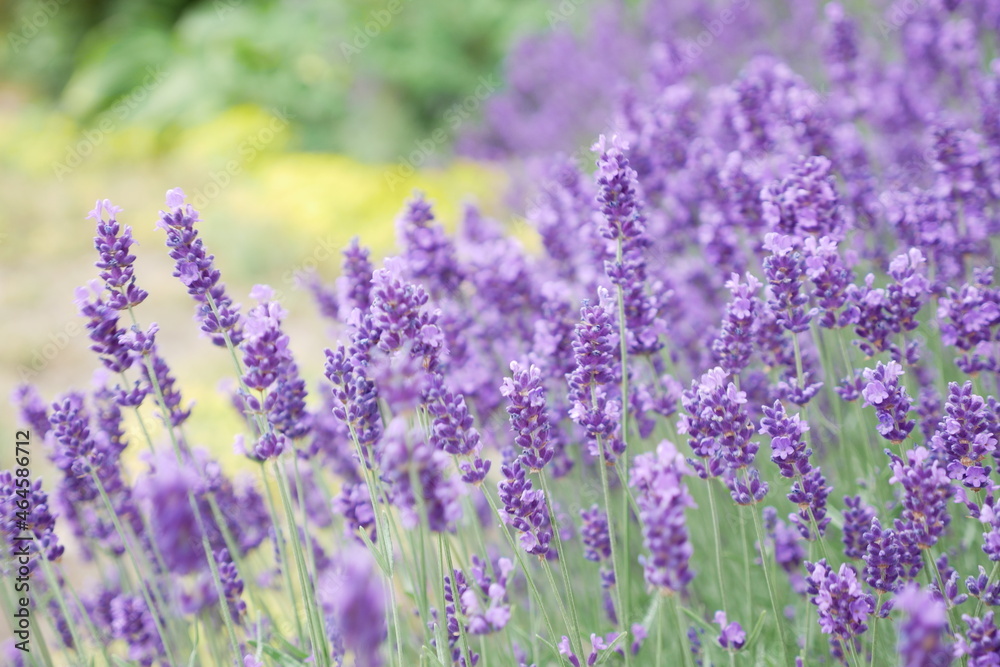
(293, 125)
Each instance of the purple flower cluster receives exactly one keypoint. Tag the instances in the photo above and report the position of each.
(719, 432)
(843, 605)
(890, 400)
(966, 436)
(218, 316)
(662, 497)
(479, 607)
(923, 629)
(592, 381)
(790, 453)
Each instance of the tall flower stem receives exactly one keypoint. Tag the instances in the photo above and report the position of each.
(625, 600)
(563, 567)
(766, 566)
(606, 489)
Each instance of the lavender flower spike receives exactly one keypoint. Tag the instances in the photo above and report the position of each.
(732, 635)
(112, 243)
(662, 497)
(217, 314)
(529, 417)
(922, 631)
(892, 403)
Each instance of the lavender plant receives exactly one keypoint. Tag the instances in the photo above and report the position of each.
(500, 465)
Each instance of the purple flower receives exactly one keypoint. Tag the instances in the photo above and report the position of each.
(981, 643)
(592, 380)
(412, 467)
(112, 243)
(733, 347)
(785, 272)
(529, 417)
(277, 392)
(843, 606)
(805, 202)
(24, 500)
(662, 498)
(353, 601)
(981, 587)
(830, 276)
(857, 518)
(926, 492)
(428, 254)
(923, 629)
(525, 509)
(621, 206)
(479, 607)
(732, 635)
(218, 315)
(892, 404)
(232, 584)
(886, 557)
(965, 436)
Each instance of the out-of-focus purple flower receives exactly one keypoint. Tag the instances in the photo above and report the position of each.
(888, 396)
(479, 607)
(787, 548)
(218, 315)
(733, 347)
(989, 514)
(980, 645)
(923, 629)
(662, 497)
(428, 253)
(112, 243)
(785, 272)
(926, 492)
(857, 518)
(830, 276)
(173, 524)
(804, 202)
(968, 318)
(132, 622)
(843, 606)
(353, 602)
(354, 286)
(732, 635)
(966, 435)
(411, 467)
(32, 409)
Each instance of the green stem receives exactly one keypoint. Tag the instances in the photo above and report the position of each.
(766, 565)
(718, 544)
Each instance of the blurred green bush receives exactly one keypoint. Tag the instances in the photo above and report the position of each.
(361, 77)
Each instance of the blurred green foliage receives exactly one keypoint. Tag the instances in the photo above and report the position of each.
(361, 77)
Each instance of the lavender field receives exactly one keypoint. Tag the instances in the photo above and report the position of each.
(718, 385)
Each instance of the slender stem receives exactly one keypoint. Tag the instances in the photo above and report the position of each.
(875, 625)
(279, 539)
(606, 489)
(563, 566)
(718, 544)
(53, 582)
(624, 598)
(682, 634)
(766, 563)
